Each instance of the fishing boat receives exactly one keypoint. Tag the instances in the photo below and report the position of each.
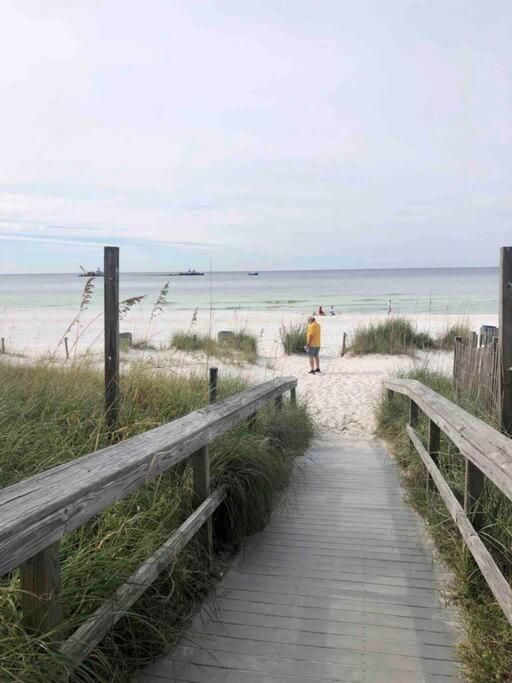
(254, 272)
(188, 272)
(90, 273)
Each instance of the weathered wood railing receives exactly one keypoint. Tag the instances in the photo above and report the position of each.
(487, 453)
(36, 513)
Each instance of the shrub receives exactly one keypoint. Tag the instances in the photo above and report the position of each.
(486, 650)
(50, 416)
(293, 337)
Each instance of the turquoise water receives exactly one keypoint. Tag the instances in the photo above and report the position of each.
(439, 290)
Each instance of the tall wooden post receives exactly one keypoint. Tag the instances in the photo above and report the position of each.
(111, 267)
(212, 385)
(505, 339)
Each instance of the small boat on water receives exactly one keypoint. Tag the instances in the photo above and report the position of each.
(91, 273)
(188, 272)
(254, 272)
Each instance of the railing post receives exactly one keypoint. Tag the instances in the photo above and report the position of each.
(433, 447)
(201, 473)
(66, 347)
(413, 413)
(40, 585)
(279, 402)
(390, 394)
(212, 386)
(3, 345)
(473, 488)
(293, 396)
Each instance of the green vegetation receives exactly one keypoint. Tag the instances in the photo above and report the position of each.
(392, 336)
(399, 335)
(447, 339)
(241, 347)
(487, 649)
(51, 416)
(293, 337)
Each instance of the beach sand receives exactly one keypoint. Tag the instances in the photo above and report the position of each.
(342, 398)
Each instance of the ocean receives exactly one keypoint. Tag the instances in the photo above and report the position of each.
(417, 291)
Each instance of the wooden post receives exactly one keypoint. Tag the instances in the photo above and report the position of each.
(212, 386)
(413, 413)
(473, 488)
(390, 394)
(201, 471)
(456, 352)
(344, 344)
(279, 402)
(293, 396)
(111, 336)
(40, 585)
(3, 345)
(474, 340)
(66, 347)
(433, 447)
(505, 340)
(251, 422)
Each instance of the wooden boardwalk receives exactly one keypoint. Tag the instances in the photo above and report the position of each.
(340, 586)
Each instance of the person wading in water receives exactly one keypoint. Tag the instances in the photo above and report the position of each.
(313, 345)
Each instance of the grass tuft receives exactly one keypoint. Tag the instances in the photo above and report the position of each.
(241, 346)
(486, 650)
(396, 335)
(50, 416)
(293, 337)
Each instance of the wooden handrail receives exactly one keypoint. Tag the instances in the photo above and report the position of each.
(487, 452)
(37, 512)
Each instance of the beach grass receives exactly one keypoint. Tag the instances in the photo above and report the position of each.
(293, 337)
(240, 346)
(486, 650)
(446, 340)
(50, 416)
(396, 335)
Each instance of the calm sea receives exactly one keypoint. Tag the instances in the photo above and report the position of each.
(439, 290)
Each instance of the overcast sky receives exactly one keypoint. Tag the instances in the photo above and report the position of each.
(256, 133)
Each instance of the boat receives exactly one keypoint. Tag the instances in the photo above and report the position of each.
(188, 272)
(91, 273)
(254, 272)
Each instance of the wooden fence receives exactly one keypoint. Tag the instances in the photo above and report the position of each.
(487, 453)
(476, 372)
(37, 512)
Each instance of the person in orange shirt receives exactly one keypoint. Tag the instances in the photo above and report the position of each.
(313, 345)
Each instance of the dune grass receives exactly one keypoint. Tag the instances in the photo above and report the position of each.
(486, 650)
(241, 346)
(51, 416)
(399, 335)
(446, 339)
(293, 337)
(396, 335)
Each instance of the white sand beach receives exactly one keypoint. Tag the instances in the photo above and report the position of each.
(342, 398)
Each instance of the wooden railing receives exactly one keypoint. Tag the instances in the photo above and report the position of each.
(37, 512)
(487, 453)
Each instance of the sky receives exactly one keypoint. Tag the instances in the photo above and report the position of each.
(261, 134)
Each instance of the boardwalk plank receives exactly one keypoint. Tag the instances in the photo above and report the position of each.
(340, 586)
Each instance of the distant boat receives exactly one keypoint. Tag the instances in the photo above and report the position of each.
(186, 273)
(254, 272)
(90, 273)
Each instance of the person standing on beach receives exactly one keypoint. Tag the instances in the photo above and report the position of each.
(313, 345)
